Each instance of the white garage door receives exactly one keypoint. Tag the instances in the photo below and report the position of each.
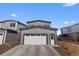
(41, 39)
(1, 38)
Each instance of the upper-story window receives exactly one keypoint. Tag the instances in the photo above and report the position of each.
(12, 24)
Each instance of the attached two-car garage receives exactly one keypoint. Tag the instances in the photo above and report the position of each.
(35, 39)
(38, 36)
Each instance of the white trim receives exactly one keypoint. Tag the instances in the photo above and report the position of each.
(5, 34)
(22, 37)
(16, 25)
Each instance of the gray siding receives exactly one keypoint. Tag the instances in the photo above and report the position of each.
(12, 37)
(66, 30)
(75, 28)
(2, 31)
(38, 24)
(38, 31)
(19, 26)
(1, 25)
(70, 29)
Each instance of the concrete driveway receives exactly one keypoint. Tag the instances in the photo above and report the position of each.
(32, 50)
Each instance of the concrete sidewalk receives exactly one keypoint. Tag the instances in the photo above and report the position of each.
(32, 50)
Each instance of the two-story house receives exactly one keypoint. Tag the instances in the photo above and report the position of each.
(38, 32)
(71, 31)
(9, 30)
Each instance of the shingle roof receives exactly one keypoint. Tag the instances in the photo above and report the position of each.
(13, 21)
(70, 26)
(7, 29)
(39, 21)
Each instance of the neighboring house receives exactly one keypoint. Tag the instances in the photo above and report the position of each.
(9, 31)
(38, 32)
(11, 24)
(71, 31)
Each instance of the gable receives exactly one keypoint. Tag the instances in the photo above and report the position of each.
(39, 31)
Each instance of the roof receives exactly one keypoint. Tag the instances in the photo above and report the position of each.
(13, 21)
(71, 25)
(39, 27)
(7, 29)
(1, 21)
(2, 29)
(39, 21)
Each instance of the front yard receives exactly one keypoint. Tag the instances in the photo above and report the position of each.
(5, 47)
(61, 51)
(68, 48)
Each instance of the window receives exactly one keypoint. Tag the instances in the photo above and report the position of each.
(12, 24)
(65, 35)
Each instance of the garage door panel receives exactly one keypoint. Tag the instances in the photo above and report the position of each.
(34, 39)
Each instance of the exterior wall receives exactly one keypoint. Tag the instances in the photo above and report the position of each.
(20, 26)
(38, 31)
(38, 24)
(74, 36)
(1, 25)
(71, 29)
(66, 30)
(12, 37)
(75, 28)
(6, 25)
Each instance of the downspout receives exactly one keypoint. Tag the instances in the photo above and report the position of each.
(55, 37)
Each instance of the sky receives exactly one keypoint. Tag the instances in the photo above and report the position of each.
(60, 14)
